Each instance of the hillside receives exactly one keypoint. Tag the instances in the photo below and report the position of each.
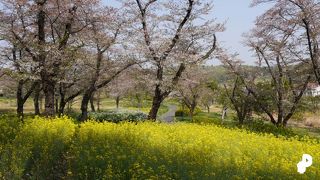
(59, 148)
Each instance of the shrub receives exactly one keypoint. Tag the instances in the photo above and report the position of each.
(186, 112)
(39, 149)
(117, 116)
(262, 127)
(181, 112)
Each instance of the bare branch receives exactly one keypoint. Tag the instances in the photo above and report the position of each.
(178, 31)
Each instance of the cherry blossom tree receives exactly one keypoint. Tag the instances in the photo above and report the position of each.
(278, 95)
(44, 30)
(105, 36)
(171, 40)
(192, 87)
(209, 95)
(240, 99)
(300, 20)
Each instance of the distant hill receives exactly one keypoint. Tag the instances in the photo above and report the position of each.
(222, 75)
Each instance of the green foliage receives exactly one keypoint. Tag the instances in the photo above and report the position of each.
(257, 125)
(261, 127)
(117, 116)
(186, 112)
(266, 96)
(309, 104)
(213, 85)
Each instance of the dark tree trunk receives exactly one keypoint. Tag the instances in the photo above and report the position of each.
(65, 100)
(117, 101)
(192, 107)
(84, 104)
(62, 99)
(154, 109)
(49, 99)
(241, 117)
(98, 101)
(36, 99)
(41, 103)
(57, 105)
(20, 109)
(156, 103)
(20, 99)
(48, 83)
(93, 109)
(62, 105)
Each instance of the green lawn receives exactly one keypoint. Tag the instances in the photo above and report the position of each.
(9, 105)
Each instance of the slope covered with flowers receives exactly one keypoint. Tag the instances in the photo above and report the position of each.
(59, 148)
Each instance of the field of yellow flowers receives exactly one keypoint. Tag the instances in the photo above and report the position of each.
(60, 148)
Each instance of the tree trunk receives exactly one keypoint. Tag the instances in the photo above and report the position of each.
(191, 113)
(41, 103)
(49, 99)
(57, 105)
(84, 104)
(241, 117)
(156, 103)
(48, 83)
(98, 101)
(224, 112)
(93, 109)
(36, 99)
(62, 105)
(62, 99)
(117, 101)
(20, 108)
(20, 99)
(155, 108)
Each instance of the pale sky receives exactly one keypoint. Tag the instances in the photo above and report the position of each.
(239, 17)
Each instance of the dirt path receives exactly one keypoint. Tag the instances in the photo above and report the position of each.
(168, 117)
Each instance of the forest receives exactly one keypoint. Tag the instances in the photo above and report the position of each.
(94, 90)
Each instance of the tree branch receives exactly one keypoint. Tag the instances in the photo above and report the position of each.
(178, 31)
(145, 28)
(107, 81)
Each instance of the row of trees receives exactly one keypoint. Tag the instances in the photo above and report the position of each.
(67, 49)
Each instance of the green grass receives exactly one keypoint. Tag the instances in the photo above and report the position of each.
(257, 125)
(8, 105)
(207, 118)
(312, 132)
